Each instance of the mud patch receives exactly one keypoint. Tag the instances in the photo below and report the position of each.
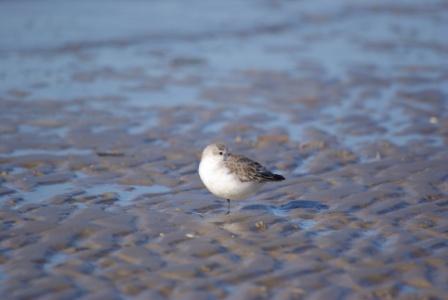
(101, 132)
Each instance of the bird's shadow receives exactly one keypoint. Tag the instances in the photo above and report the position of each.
(295, 204)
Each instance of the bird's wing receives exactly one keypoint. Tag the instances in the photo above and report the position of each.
(249, 170)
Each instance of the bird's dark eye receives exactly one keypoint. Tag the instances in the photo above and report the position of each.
(220, 152)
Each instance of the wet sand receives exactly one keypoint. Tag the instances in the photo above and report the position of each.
(101, 132)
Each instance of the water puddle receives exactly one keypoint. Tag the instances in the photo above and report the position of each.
(306, 224)
(58, 131)
(407, 289)
(147, 123)
(172, 96)
(2, 274)
(307, 204)
(54, 260)
(284, 211)
(42, 193)
(302, 168)
(59, 152)
(124, 194)
(17, 171)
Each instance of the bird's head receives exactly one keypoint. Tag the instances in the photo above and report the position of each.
(215, 151)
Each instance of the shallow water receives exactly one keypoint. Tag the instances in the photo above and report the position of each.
(105, 107)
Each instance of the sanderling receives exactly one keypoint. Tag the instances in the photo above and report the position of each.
(231, 176)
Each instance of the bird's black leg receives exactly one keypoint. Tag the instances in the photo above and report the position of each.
(228, 207)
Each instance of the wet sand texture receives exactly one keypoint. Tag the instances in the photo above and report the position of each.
(104, 109)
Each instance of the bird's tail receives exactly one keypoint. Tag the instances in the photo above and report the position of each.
(277, 177)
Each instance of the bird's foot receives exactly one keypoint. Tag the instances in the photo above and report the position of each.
(228, 207)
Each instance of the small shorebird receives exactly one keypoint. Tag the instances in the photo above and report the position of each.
(231, 176)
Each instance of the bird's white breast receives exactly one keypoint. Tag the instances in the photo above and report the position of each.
(220, 182)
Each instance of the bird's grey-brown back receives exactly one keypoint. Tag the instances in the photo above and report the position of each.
(248, 170)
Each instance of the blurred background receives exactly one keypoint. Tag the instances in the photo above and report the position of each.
(105, 107)
(294, 64)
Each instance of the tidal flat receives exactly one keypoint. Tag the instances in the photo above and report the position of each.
(106, 106)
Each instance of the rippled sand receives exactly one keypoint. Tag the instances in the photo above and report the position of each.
(102, 124)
